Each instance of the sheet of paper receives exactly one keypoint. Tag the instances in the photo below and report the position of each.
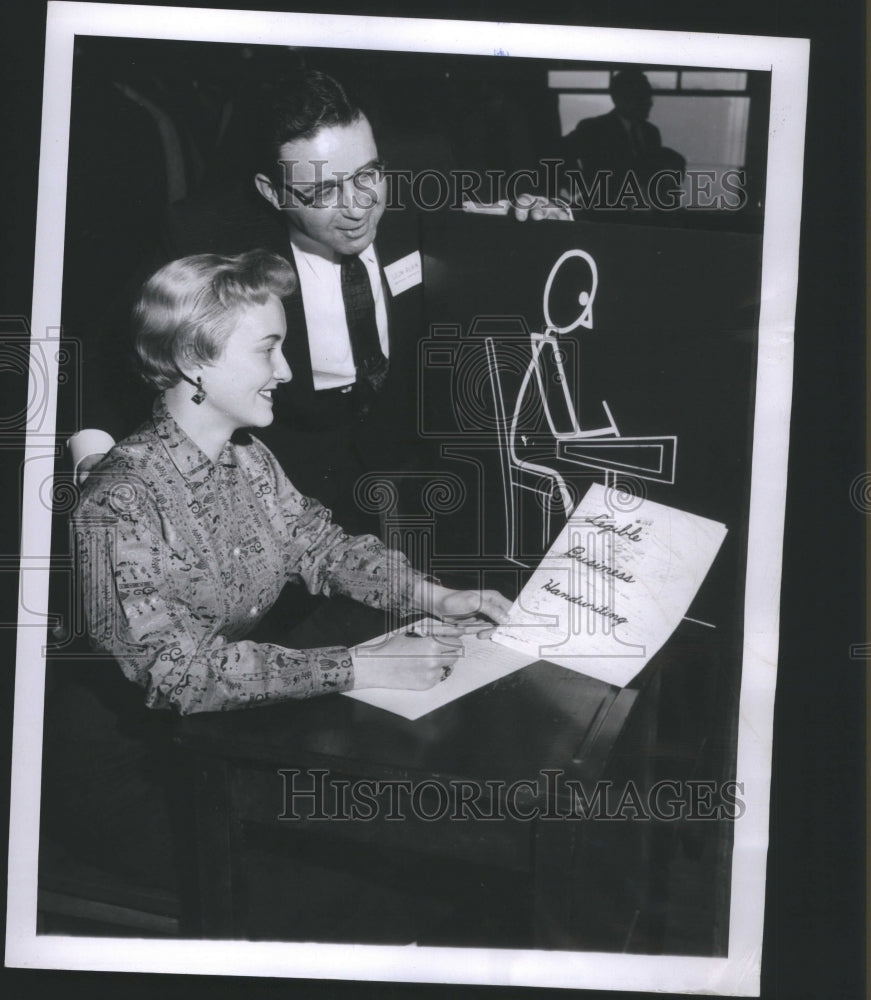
(613, 587)
(481, 662)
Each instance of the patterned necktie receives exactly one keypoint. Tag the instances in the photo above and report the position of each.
(369, 360)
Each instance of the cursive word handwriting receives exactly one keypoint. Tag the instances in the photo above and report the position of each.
(602, 609)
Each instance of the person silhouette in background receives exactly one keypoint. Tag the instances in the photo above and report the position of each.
(617, 156)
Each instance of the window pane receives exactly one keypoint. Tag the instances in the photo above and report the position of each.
(713, 80)
(706, 130)
(572, 79)
(661, 79)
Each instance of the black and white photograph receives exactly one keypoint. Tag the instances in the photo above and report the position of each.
(450, 657)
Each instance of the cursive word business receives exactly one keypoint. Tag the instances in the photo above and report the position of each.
(578, 553)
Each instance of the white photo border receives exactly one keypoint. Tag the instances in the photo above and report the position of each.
(738, 974)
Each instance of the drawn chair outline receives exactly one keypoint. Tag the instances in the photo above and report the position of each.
(546, 470)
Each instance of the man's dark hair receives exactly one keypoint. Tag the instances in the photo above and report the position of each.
(299, 110)
(628, 82)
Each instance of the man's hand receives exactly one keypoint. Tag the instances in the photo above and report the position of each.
(537, 207)
(526, 206)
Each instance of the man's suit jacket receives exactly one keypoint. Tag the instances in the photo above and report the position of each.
(603, 143)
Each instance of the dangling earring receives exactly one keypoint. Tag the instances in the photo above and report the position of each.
(200, 394)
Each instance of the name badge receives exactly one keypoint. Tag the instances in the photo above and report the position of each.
(404, 273)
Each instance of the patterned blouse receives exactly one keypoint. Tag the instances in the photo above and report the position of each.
(180, 557)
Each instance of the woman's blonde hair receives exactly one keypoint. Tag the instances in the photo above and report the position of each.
(186, 311)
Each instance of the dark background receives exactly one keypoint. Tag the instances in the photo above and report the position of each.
(815, 913)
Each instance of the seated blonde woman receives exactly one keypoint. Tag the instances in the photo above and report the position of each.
(186, 532)
(191, 534)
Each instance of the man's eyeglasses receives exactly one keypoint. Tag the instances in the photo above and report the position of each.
(331, 193)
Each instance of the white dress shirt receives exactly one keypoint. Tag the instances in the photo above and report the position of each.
(320, 280)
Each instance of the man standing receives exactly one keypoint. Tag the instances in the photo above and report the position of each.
(352, 407)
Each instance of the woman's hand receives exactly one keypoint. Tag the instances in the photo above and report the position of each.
(462, 605)
(418, 662)
(409, 661)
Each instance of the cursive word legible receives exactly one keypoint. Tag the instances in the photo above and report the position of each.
(632, 532)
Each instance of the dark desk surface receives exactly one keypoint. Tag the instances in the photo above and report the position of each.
(542, 717)
(537, 716)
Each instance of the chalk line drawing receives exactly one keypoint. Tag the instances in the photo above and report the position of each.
(542, 467)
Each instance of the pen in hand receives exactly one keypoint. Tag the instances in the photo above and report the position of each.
(481, 627)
